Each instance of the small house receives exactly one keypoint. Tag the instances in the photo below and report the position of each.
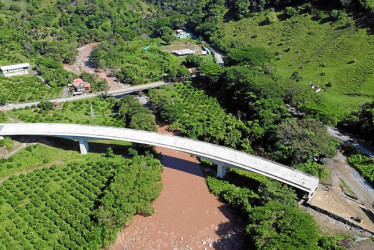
(81, 86)
(15, 69)
(182, 34)
(192, 72)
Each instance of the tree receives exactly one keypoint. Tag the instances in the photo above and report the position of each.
(3, 100)
(313, 168)
(276, 191)
(193, 61)
(45, 105)
(271, 17)
(211, 71)
(362, 121)
(143, 121)
(166, 34)
(299, 140)
(290, 11)
(279, 226)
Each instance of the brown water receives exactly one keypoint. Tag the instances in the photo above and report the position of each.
(186, 215)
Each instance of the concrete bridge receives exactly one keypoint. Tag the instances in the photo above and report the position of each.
(222, 156)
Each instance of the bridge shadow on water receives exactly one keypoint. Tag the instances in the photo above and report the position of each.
(183, 165)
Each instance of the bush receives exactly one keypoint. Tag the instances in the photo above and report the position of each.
(14, 7)
(290, 12)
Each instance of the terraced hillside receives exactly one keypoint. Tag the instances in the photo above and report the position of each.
(335, 55)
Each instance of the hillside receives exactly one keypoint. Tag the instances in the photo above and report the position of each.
(328, 43)
(328, 53)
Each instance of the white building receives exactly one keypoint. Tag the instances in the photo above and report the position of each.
(15, 70)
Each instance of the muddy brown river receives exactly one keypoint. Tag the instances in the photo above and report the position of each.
(186, 215)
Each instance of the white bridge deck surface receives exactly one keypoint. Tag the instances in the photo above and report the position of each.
(229, 157)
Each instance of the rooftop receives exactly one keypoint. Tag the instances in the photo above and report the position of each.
(15, 66)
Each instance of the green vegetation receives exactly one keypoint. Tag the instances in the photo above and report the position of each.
(273, 219)
(198, 116)
(313, 168)
(321, 42)
(25, 88)
(299, 140)
(124, 112)
(364, 164)
(6, 142)
(347, 190)
(362, 122)
(77, 205)
(261, 102)
(47, 34)
(135, 64)
(37, 156)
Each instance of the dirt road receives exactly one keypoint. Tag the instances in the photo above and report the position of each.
(333, 199)
(187, 216)
(82, 64)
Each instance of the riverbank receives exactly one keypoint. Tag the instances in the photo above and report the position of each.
(186, 214)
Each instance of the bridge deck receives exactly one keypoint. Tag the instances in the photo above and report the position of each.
(227, 156)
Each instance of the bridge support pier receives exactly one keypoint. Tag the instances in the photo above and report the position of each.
(221, 170)
(83, 146)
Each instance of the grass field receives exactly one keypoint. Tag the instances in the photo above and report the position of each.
(26, 88)
(320, 50)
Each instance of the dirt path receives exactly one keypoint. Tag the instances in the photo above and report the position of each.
(333, 200)
(187, 216)
(82, 64)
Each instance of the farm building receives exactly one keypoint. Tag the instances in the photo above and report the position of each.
(15, 70)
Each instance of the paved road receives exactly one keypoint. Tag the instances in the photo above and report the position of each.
(219, 57)
(74, 98)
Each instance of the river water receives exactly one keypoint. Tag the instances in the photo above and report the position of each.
(186, 215)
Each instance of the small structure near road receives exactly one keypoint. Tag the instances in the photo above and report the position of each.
(15, 69)
(207, 50)
(80, 86)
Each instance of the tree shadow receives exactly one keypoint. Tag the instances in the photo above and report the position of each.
(232, 233)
